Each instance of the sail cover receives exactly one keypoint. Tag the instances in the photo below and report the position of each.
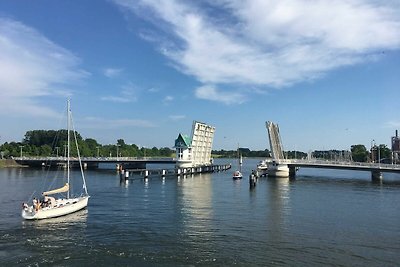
(65, 188)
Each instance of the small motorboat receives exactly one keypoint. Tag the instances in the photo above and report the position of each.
(237, 175)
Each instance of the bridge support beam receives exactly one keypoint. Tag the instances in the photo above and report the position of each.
(376, 175)
(292, 172)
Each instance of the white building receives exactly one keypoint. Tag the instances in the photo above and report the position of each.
(195, 150)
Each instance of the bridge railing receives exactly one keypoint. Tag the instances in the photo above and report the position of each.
(339, 163)
(94, 158)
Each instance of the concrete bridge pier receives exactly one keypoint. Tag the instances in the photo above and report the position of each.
(292, 172)
(376, 175)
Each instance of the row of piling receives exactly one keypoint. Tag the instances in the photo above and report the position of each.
(145, 173)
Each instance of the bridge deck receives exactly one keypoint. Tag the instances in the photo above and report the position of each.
(93, 161)
(345, 165)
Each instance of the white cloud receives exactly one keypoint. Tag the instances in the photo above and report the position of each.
(392, 124)
(154, 90)
(32, 66)
(177, 117)
(269, 43)
(127, 95)
(168, 99)
(116, 99)
(101, 123)
(209, 92)
(112, 72)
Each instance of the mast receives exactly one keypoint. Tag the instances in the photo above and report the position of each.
(68, 141)
(239, 159)
(240, 163)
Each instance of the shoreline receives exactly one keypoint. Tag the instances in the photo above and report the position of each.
(9, 163)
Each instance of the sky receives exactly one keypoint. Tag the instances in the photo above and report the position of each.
(327, 72)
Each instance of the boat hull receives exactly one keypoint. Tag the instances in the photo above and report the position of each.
(61, 208)
(237, 175)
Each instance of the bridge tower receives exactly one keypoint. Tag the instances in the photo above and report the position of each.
(277, 168)
(195, 150)
(275, 141)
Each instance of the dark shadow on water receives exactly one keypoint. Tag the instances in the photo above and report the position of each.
(344, 181)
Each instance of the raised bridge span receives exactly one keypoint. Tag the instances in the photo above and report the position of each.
(281, 167)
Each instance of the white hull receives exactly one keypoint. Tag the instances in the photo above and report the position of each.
(237, 175)
(262, 170)
(61, 207)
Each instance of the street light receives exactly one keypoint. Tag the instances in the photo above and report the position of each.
(21, 150)
(97, 151)
(117, 151)
(372, 151)
(379, 156)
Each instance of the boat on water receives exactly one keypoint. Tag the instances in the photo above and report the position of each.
(262, 168)
(238, 174)
(59, 202)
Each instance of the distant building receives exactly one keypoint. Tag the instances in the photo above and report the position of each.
(195, 150)
(396, 146)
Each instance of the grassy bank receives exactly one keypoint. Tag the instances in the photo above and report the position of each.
(6, 163)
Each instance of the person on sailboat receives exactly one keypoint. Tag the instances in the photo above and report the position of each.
(36, 204)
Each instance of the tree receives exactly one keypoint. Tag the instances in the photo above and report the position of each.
(381, 153)
(359, 153)
(45, 150)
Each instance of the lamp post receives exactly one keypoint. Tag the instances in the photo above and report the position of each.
(372, 151)
(97, 150)
(117, 151)
(379, 156)
(20, 147)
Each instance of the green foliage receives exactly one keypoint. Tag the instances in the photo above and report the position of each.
(359, 153)
(245, 152)
(53, 143)
(381, 153)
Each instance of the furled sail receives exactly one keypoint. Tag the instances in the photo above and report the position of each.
(65, 188)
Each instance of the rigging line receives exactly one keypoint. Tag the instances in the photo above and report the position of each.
(79, 156)
(30, 198)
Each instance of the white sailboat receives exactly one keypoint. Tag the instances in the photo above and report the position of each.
(55, 204)
(238, 174)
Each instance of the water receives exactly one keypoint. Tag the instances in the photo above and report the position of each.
(334, 218)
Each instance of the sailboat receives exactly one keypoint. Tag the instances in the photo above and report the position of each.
(238, 174)
(54, 203)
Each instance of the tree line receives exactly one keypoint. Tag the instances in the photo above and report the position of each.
(53, 143)
(46, 143)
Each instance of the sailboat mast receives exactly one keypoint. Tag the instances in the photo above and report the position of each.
(68, 139)
(239, 158)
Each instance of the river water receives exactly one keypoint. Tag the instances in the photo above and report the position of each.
(330, 218)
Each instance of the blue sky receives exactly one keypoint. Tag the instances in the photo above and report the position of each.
(328, 72)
